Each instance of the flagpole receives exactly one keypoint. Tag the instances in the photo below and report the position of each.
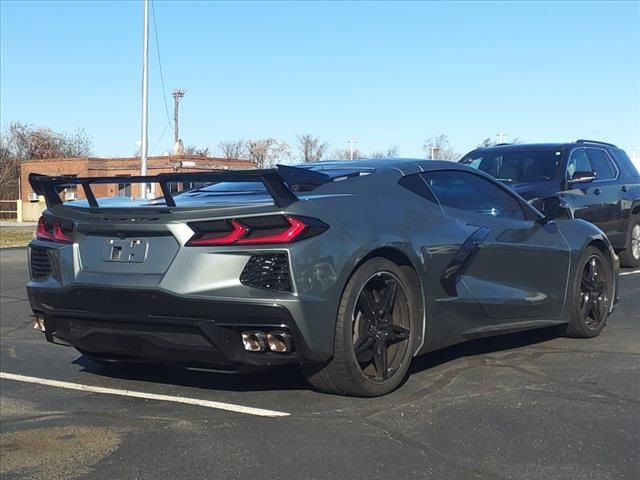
(145, 100)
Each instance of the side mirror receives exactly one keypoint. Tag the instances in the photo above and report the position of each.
(554, 208)
(582, 177)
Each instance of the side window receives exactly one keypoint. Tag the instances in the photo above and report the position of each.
(416, 184)
(473, 193)
(601, 164)
(578, 162)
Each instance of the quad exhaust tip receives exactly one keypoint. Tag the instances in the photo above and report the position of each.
(37, 321)
(254, 341)
(277, 341)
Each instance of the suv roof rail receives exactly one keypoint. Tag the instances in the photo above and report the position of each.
(502, 144)
(582, 140)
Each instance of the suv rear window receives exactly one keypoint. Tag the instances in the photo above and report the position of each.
(517, 166)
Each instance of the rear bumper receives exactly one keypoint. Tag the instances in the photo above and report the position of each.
(151, 324)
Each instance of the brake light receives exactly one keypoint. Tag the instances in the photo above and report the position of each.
(43, 231)
(255, 231)
(239, 230)
(53, 233)
(296, 227)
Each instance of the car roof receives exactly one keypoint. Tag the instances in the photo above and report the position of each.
(515, 147)
(524, 146)
(404, 166)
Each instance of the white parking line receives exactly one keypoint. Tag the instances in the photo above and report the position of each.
(149, 396)
(633, 272)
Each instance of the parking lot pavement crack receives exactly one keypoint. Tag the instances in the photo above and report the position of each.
(586, 394)
(428, 451)
(553, 350)
(9, 299)
(442, 382)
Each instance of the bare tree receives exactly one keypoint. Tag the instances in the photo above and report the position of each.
(487, 142)
(233, 149)
(345, 154)
(311, 148)
(193, 151)
(439, 148)
(21, 142)
(390, 152)
(266, 152)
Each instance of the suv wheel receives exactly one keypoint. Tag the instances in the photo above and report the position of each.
(631, 255)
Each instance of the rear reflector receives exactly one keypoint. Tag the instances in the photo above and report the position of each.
(269, 230)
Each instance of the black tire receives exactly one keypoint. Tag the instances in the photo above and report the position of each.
(384, 335)
(592, 295)
(630, 257)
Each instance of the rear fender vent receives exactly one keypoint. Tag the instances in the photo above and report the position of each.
(267, 271)
(40, 263)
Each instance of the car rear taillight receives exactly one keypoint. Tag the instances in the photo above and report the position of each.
(54, 232)
(274, 229)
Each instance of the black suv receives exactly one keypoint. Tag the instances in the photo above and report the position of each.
(586, 179)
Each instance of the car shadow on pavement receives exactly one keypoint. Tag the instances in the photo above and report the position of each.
(283, 378)
(483, 346)
(289, 377)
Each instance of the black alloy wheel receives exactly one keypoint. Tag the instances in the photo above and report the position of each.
(379, 315)
(381, 327)
(593, 294)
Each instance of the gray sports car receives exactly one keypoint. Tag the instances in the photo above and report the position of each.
(347, 269)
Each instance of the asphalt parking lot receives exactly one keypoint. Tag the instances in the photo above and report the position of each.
(527, 406)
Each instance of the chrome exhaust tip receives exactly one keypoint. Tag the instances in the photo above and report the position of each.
(279, 342)
(254, 341)
(37, 321)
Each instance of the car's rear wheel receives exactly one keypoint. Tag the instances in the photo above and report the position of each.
(630, 257)
(593, 294)
(375, 332)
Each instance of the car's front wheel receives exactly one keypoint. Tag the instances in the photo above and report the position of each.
(592, 295)
(376, 331)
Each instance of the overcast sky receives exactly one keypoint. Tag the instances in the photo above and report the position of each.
(381, 73)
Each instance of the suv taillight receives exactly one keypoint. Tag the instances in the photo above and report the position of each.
(275, 229)
(53, 232)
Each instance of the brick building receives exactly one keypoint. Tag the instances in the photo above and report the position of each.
(100, 167)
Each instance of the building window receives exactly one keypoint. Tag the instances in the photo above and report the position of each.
(124, 190)
(70, 192)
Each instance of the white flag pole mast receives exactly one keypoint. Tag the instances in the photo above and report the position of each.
(145, 100)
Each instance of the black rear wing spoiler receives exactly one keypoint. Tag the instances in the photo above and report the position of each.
(279, 182)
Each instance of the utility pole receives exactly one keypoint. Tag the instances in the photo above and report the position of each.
(501, 137)
(432, 149)
(144, 144)
(177, 96)
(351, 142)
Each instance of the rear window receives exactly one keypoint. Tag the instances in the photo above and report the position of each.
(517, 166)
(622, 158)
(227, 188)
